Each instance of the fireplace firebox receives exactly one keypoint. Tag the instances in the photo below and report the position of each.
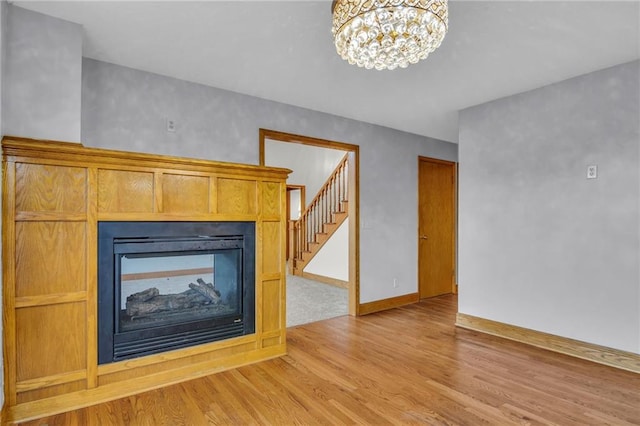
(170, 285)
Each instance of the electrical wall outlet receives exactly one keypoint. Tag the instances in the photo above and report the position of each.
(395, 283)
(171, 125)
(592, 171)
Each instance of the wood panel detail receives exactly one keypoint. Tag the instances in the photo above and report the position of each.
(271, 199)
(48, 381)
(271, 341)
(600, 354)
(50, 299)
(125, 191)
(60, 346)
(34, 396)
(236, 196)
(185, 194)
(271, 305)
(45, 188)
(272, 259)
(196, 357)
(50, 258)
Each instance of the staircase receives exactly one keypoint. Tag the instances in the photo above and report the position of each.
(322, 217)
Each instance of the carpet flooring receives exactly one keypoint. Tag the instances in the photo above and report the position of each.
(311, 301)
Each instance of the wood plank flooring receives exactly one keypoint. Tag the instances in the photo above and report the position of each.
(404, 366)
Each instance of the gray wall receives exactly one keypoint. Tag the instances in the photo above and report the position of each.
(127, 109)
(43, 77)
(540, 246)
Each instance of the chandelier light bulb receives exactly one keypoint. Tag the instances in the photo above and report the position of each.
(387, 34)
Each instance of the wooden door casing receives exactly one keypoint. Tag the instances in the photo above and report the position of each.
(436, 227)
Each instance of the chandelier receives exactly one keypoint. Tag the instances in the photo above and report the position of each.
(386, 34)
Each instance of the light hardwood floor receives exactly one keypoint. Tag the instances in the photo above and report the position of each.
(406, 365)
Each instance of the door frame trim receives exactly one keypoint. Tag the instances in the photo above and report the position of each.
(454, 231)
(303, 203)
(354, 206)
(303, 195)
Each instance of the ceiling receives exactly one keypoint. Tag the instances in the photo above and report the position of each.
(283, 51)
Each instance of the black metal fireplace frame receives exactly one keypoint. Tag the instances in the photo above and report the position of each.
(168, 238)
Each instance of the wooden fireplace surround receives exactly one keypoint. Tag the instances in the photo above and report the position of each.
(53, 196)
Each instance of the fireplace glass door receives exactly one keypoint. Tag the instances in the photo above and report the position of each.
(157, 290)
(169, 285)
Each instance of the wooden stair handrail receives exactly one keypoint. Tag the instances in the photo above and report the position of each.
(342, 164)
(320, 211)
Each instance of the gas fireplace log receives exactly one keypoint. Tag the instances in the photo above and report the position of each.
(207, 290)
(137, 307)
(209, 285)
(144, 296)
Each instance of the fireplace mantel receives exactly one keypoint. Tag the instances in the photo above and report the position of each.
(54, 195)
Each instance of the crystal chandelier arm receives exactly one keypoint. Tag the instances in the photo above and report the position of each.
(386, 34)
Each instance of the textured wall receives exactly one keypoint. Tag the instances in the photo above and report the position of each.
(126, 109)
(43, 77)
(541, 246)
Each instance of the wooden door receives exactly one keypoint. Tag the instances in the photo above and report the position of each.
(436, 227)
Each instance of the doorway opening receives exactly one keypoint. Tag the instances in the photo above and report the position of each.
(348, 154)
